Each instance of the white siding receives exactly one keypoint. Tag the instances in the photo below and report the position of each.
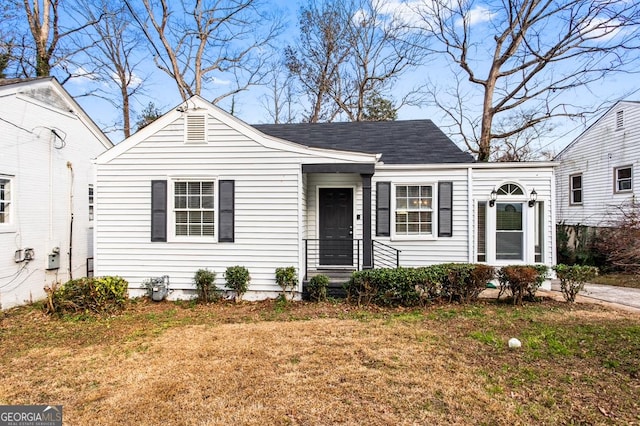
(50, 183)
(268, 212)
(421, 252)
(595, 154)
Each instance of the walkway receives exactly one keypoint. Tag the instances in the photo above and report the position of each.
(624, 296)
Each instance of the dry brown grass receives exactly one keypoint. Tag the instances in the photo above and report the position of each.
(307, 364)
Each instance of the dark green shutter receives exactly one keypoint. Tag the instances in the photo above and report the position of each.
(226, 213)
(158, 210)
(445, 209)
(383, 209)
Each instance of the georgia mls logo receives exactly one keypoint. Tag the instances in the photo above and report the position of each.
(30, 415)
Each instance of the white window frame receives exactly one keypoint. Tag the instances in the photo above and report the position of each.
(172, 216)
(433, 210)
(522, 231)
(7, 225)
(617, 180)
(573, 190)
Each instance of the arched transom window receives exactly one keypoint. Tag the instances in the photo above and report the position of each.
(510, 189)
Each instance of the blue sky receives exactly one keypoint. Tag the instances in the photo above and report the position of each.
(161, 90)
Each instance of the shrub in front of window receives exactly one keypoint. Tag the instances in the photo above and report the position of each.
(317, 288)
(95, 295)
(237, 278)
(572, 279)
(205, 286)
(287, 279)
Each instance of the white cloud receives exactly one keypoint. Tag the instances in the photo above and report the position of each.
(477, 15)
(602, 29)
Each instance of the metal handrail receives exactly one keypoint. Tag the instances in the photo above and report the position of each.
(313, 255)
(384, 256)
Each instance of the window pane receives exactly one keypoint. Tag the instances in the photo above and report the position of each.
(509, 216)
(207, 202)
(414, 191)
(194, 188)
(509, 245)
(624, 173)
(181, 188)
(181, 230)
(576, 182)
(181, 217)
(180, 202)
(401, 191)
(425, 191)
(401, 203)
(195, 217)
(194, 202)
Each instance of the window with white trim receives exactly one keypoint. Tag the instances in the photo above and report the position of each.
(623, 177)
(575, 183)
(194, 208)
(414, 210)
(5, 200)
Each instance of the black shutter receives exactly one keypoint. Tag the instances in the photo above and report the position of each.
(445, 209)
(158, 210)
(226, 213)
(383, 208)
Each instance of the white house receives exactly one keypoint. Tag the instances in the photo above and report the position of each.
(199, 188)
(46, 177)
(599, 170)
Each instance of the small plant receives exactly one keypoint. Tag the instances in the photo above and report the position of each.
(287, 279)
(318, 288)
(572, 279)
(205, 285)
(238, 279)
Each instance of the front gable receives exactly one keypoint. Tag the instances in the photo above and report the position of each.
(198, 122)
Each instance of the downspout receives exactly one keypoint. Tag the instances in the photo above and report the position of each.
(471, 220)
(70, 167)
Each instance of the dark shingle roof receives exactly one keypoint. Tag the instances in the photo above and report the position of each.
(399, 142)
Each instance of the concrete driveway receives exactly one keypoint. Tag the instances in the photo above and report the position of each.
(623, 296)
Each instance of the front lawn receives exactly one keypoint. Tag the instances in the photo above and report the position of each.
(330, 363)
(620, 280)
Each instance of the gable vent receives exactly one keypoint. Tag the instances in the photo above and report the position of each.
(620, 119)
(196, 129)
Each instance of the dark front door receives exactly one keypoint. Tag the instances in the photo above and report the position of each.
(336, 226)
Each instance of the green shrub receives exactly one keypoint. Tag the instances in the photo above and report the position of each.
(317, 288)
(237, 278)
(205, 285)
(572, 279)
(287, 279)
(521, 281)
(95, 295)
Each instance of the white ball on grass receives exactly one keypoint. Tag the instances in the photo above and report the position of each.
(514, 343)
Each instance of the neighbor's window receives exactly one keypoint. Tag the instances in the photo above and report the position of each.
(194, 208)
(509, 231)
(5, 200)
(90, 202)
(575, 182)
(414, 210)
(623, 178)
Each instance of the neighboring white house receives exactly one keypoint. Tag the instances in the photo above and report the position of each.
(199, 188)
(46, 176)
(599, 171)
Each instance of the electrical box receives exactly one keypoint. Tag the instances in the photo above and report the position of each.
(54, 261)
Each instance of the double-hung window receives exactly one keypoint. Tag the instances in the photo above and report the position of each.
(5, 200)
(414, 210)
(623, 180)
(575, 182)
(194, 208)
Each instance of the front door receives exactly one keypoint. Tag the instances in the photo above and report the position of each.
(336, 226)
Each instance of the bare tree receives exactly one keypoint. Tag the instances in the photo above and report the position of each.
(383, 47)
(117, 56)
(202, 42)
(318, 59)
(351, 52)
(539, 52)
(280, 99)
(54, 43)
